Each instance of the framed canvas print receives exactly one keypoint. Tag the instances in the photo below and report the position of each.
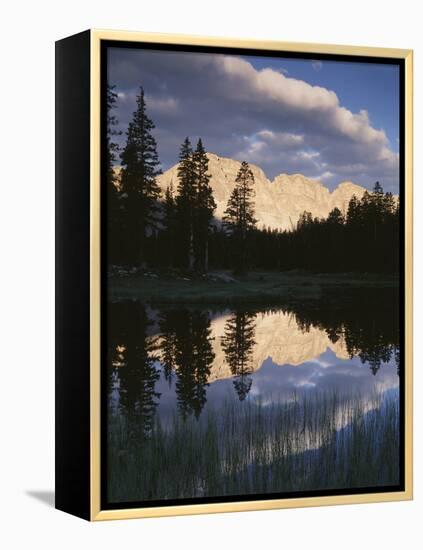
(234, 284)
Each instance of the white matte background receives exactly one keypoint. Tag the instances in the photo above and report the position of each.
(28, 32)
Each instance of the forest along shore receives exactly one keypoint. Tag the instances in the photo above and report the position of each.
(224, 287)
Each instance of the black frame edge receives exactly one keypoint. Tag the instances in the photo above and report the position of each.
(72, 221)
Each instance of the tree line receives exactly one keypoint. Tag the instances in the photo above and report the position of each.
(374, 337)
(177, 229)
(145, 228)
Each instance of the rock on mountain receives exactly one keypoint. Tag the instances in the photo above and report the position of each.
(278, 203)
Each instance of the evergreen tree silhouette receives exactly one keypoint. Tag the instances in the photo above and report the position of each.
(186, 352)
(238, 344)
(170, 225)
(112, 148)
(397, 356)
(335, 217)
(367, 320)
(137, 373)
(194, 358)
(239, 218)
(168, 323)
(186, 202)
(112, 188)
(205, 207)
(140, 168)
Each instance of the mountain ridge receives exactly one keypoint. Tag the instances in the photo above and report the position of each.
(278, 202)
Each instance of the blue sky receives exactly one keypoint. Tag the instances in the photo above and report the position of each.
(374, 87)
(331, 121)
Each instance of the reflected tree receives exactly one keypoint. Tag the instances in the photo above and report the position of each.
(377, 355)
(367, 320)
(238, 344)
(397, 355)
(168, 343)
(186, 350)
(133, 360)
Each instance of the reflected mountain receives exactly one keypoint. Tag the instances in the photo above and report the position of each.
(191, 348)
(205, 401)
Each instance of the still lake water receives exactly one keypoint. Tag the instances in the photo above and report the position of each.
(205, 401)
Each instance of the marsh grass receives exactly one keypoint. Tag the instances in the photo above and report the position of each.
(313, 442)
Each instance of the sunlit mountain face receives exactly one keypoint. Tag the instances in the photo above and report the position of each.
(278, 202)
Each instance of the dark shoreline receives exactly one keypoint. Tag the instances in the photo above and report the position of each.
(221, 287)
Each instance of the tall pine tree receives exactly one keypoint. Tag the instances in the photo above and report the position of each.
(186, 203)
(140, 168)
(169, 224)
(205, 207)
(111, 131)
(113, 203)
(239, 218)
(238, 344)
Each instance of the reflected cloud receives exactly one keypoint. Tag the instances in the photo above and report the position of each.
(299, 397)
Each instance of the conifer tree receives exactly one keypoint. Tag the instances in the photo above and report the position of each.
(138, 397)
(186, 202)
(378, 189)
(239, 218)
(205, 206)
(112, 186)
(169, 320)
(169, 223)
(238, 344)
(194, 358)
(112, 147)
(335, 217)
(353, 211)
(140, 168)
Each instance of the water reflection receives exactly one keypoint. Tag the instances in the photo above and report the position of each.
(366, 322)
(186, 352)
(171, 356)
(213, 401)
(238, 344)
(133, 370)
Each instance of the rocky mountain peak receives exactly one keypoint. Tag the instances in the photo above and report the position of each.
(278, 203)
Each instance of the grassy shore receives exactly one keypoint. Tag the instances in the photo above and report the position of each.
(222, 287)
(316, 443)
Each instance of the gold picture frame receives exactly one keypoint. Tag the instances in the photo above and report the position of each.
(96, 513)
